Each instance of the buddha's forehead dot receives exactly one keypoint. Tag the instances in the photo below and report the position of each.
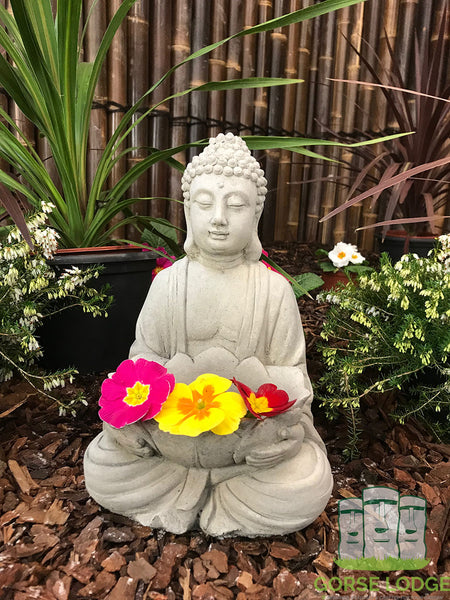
(220, 185)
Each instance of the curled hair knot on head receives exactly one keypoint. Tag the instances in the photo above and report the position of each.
(226, 154)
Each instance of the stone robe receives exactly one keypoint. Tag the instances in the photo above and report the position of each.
(220, 483)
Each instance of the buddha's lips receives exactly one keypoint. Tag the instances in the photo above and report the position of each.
(220, 234)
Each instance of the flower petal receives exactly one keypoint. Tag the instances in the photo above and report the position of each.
(274, 396)
(278, 410)
(170, 413)
(146, 371)
(159, 392)
(193, 426)
(220, 384)
(112, 391)
(232, 404)
(120, 414)
(125, 373)
(243, 389)
(228, 425)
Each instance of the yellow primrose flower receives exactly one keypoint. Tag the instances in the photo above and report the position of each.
(203, 405)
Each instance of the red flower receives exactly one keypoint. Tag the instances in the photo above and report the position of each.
(268, 401)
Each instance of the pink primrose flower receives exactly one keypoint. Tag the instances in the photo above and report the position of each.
(136, 392)
(162, 262)
(266, 264)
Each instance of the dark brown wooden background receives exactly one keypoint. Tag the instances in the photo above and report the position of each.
(160, 33)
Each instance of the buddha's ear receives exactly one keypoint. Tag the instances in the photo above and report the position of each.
(189, 245)
(253, 250)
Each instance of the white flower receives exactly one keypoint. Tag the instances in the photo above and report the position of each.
(47, 207)
(342, 254)
(356, 258)
(48, 240)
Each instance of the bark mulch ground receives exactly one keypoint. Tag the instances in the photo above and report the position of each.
(57, 544)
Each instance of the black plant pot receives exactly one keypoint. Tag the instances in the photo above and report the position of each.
(73, 338)
(396, 243)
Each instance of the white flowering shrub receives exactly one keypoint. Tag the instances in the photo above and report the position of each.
(392, 330)
(30, 290)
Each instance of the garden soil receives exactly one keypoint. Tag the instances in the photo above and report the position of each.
(56, 543)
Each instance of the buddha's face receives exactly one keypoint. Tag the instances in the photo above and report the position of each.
(222, 213)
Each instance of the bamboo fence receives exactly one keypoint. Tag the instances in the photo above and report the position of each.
(301, 189)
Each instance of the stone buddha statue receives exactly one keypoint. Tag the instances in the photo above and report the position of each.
(219, 310)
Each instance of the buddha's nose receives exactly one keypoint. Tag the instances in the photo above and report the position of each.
(219, 216)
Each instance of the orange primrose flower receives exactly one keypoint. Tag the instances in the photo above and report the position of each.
(268, 401)
(203, 405)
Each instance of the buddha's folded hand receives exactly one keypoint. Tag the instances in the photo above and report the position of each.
(272, 441)
(134, 438)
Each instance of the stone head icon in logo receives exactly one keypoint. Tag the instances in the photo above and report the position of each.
(351, 544)
(411, 531)
(381, 517)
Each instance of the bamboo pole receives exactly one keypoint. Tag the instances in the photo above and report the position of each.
(370, 36)
(262, 67)
(98, 123)
(367, 96)
(310, 128)
(278, 41)
(424, 21)
(298, 192)
(283, 230)
(265, 10)
(335, 171)
(406, 19)
(199, 74)
(181, 48)
(138, 83)
(348, 221)
(217, 64)
(388, 33)
(248, 66)
(322, 103)
(159, 136)
(440, 6)
(117, 93)
(233, 65)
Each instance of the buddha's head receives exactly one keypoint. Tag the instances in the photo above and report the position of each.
(224, 190)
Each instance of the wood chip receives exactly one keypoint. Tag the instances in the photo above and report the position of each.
(125, 589)
(217, 559)
(103, 583)
(141, 569)
(244, 581)
(283, 551)
(346, 493)
(325, 561)
(285, 584)
(22, 476)
(114, 562)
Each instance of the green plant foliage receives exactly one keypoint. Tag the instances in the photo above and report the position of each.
(391, 331)
(306, 282)
(408, 177)
(30, 291)
(43, 72)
